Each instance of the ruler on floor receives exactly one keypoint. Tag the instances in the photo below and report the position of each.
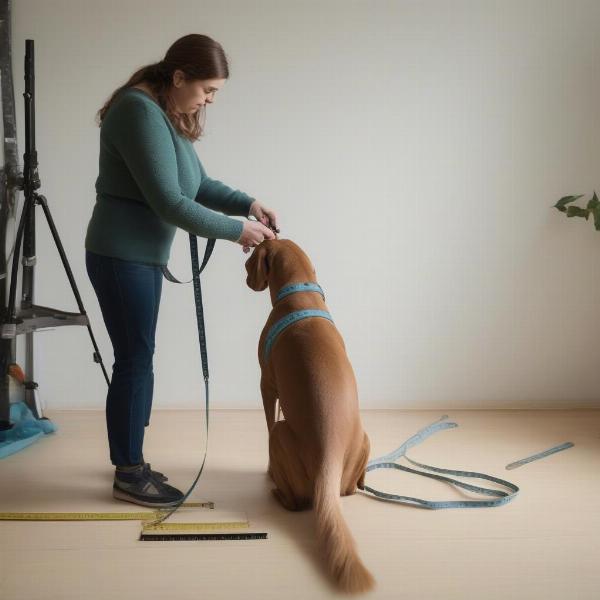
(166, 537)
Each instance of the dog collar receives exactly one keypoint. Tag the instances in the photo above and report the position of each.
(292, 288)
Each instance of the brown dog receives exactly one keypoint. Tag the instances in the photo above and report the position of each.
(319, 450)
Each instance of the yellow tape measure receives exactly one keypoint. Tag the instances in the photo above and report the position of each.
(196, 526)
(170, 531)
(93, 516)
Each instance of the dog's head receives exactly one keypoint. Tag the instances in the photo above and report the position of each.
(258, 266)
(278, 258)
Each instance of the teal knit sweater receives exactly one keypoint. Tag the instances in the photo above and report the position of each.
(150, 182)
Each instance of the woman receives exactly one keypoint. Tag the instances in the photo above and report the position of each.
(150, 182)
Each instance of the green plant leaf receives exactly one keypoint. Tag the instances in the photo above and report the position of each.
(565, 200)
(577, 211)
(597, 218)
(593, 202)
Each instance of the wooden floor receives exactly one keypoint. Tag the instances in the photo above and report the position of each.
(544, 544)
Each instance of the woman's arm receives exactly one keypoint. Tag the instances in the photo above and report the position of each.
(218, 196)
(141, 136)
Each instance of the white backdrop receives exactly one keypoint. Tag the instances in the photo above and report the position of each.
(413, 149)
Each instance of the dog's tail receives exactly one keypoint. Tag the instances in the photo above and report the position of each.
(334, 539)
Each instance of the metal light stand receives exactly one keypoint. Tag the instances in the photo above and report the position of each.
(30, 317)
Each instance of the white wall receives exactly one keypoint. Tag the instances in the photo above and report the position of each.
(413, 149)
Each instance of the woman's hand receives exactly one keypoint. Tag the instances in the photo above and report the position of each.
(263, 214)
(253, 234)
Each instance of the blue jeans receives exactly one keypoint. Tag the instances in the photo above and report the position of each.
(129, 297)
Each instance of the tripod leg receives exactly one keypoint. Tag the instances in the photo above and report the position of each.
(42, 200)
(27, 293)
(4, 383)
(8, 196)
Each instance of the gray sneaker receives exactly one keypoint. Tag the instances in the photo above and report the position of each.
(142, 487)
(157, 474)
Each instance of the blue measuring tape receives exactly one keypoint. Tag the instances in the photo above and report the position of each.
(306, 286)
(384, 462)
(297, 315)
(288, 320)
(539, 455)
(196, 270)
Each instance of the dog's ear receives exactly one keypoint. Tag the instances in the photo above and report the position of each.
(257, 267)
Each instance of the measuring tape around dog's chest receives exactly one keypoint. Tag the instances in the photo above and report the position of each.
(298, 315)
(288, 320)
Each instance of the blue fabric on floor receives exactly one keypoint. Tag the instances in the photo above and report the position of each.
(26, 429)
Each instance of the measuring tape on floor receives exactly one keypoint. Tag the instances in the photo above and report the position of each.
(553, 450)
(93, 516)
(196, 526)
(155, 531)
(385, 462)
(201, 526)
(504, 497)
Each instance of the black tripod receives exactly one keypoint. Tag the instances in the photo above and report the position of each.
(32, 317)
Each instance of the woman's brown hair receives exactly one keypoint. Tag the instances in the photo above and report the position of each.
(199, 57)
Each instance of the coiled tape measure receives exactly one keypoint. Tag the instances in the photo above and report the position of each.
(388, 462)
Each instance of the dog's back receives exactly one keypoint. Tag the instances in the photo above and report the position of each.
(332, 444)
